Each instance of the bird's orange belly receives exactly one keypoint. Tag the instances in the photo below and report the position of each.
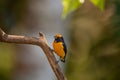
(59, 49)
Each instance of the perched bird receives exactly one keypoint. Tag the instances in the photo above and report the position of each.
(60, 47)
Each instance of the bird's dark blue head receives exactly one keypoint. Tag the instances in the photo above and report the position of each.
(58, 38)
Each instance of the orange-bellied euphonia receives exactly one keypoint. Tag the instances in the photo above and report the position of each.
(60, 47)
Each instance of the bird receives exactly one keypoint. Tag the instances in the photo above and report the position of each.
(60, 47)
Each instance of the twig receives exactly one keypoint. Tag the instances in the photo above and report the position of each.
(39, 41)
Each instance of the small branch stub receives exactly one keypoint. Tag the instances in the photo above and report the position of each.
(42, 37)
(41, 34)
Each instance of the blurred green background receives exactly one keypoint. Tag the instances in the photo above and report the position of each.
(92, 37)
(94, 52)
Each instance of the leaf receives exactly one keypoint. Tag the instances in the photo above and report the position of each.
(69, 6)
(99, 3)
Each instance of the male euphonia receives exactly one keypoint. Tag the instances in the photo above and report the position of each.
(60, 47)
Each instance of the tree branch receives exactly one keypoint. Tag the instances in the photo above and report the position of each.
(39, 41)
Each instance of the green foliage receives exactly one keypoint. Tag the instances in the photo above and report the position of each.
(69, 6)
(99, 3)
(72, 5)
(6, 60)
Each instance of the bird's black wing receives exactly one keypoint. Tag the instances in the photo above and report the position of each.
(65, 47)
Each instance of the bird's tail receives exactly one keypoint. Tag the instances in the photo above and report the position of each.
(62, 59)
